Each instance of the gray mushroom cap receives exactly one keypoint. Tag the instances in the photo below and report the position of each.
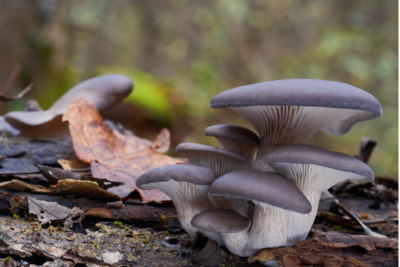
(307, 154)
(103, 92)
(221, 221)
(183, 148)
(232, 133)
(180, 173)
(266, 187)
(305, 92)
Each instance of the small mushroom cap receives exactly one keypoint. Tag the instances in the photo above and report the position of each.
(180, 173)
(185, 147)
(221, 221)
(103, 92)
(266, 187)
(307, 154)
(232, 133)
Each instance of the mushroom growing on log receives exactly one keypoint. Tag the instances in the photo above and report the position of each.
(274, 196)
(188, 187)
(313, 170)
(103, 92)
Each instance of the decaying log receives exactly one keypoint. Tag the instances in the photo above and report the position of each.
(165, 217)
(334, 250)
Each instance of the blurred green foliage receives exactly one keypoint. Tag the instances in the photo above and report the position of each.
(181, 53)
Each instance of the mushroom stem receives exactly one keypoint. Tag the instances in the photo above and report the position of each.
(237, 243)
(269, 227)
(299, 225)
(191, 201)
(312, 180)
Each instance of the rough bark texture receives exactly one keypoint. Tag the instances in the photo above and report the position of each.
(334, 250)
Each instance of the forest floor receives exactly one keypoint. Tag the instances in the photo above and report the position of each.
(130, 233)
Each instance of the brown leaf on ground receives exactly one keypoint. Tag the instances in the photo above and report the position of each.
(335, 250)
(117, 157)
(67, 187)
(73, 164)
(53, 175)
(48, 212)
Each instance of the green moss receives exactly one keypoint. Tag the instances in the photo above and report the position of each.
(337, 228)
(118, 224)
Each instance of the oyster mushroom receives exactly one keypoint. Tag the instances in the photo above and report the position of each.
(274, 197)
(188, 187)
(218, 159)
(103, 92)
(235, 138)
(314, 170)
(290, 111)
(228, 223)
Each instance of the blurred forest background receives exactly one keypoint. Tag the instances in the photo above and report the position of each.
(181, 53)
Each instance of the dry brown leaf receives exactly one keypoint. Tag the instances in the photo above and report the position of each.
(112, 155)
(67, 187)
(53, 175)
(162, 141)
(49, 212)
(72, 164)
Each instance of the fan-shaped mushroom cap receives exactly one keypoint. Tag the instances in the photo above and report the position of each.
(273, 195)
(287, 160)
(291, 111)
(308, 93)
(221, 221)
(235, 138)
(179, 173)
(188, 187)
(232, 133)
(314, 170)
(266, 187)
(231, 225)
(103, 92)
(218, 159)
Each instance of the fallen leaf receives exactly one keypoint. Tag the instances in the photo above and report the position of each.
(162, 141)
(53, 175)
(72, 164)
(48, 212)
(67, 187)
(120, 158)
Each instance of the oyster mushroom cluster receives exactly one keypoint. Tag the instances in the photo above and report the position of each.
(262, 190)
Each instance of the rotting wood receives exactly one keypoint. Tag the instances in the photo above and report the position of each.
(334, 250)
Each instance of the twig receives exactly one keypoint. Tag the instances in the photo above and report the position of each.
(10, 98)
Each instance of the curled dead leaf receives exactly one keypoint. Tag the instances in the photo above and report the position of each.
(112, 155)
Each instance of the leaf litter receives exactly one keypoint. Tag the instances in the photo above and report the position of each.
(114, 156)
